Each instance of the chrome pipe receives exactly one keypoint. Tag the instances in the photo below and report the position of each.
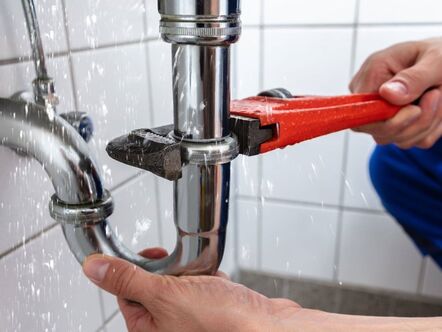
(35, 37)
(201, 92)
(43, 85)
(81, 204)
(200, 33)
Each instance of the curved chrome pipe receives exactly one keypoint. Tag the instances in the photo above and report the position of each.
(75, 176)
(35, 38)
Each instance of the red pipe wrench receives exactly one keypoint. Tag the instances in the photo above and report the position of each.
(263, 124)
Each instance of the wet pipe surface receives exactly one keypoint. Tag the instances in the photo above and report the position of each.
(298, 119)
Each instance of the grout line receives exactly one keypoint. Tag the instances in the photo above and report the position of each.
(28, 240)
(108, 320)
(421, 279)
(69, 55)
(345, 156)
(102, 311)
(54, 55)
(234, 166)
(115, 189)
(260, 221)
(270, 200)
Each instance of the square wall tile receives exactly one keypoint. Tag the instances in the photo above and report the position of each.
(246, 170)
(299, 241)
(46, 290)
(307, 172)
(24, 199)
(432, 285)
(373, 39)
(248, 64)
(98, 23)
(359, 191)
(14, 39)
(247, 222)
(251, 11)
(376, 252)
(308, 61)
(309, 11)
(153, 19)
(112, 88)
(160, 76)
(400, 11)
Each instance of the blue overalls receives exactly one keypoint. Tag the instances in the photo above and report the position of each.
(409, 183)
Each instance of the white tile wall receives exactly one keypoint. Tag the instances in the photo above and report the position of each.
(247, 219)
(307, 172)
(309, 11)
(117, 324)
(375, 251)
(299, 240)
(307, 61)
(43, 289)
(14, 41)
(115, 93)
(97, 23)
(399, 11)
(359, 191)
(126, 83)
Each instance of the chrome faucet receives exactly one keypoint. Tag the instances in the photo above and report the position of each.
(200, 33)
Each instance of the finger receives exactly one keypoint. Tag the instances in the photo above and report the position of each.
(123, 279)
(422, 140)
(409, 84)
(429, 141)
(388, 129)
(429, 105)
(154, 253)
(373, 73)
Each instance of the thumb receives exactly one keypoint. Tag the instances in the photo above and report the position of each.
(121, 278)
(408, 85)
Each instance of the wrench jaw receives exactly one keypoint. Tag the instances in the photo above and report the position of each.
(250, 134)
(150, 149)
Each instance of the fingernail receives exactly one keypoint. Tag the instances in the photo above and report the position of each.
(95, 269)
(397, 87)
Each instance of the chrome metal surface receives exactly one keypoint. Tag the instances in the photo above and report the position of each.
(78, 214)
(82, 203)
(34, 35)
(213, 153)
(43, 85)
(193, 22)
(201, 92)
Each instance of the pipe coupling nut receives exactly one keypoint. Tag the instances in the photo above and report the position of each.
(210, 153)
(81, 214)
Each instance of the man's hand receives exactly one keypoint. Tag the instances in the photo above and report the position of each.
(152, 302)
(403, 74)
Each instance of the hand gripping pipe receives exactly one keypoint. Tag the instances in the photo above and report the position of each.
(201, 32)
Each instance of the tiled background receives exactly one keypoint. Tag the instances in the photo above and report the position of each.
(307, 211)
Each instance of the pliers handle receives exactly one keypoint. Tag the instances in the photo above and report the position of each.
(263, 124)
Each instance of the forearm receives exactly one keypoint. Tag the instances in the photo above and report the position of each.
(306, 320)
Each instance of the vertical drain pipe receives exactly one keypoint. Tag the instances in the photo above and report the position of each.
(201, 33)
